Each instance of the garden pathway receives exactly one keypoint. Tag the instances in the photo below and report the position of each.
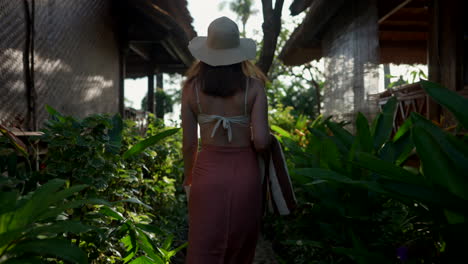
(264, 253)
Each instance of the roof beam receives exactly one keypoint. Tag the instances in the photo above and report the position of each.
(409, 14)
(404, 28)
(391, 11)
(176, 47)
(141, 51)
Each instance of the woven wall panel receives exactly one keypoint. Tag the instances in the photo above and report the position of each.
(76, 59)
(13, 107)
(351, 60)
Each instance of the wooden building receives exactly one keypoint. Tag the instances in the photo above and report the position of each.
(75, 55)
(355, 36)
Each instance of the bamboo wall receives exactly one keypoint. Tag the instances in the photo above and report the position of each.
(351, 52)
(76, 59)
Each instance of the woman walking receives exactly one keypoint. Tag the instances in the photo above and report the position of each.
(224, 93)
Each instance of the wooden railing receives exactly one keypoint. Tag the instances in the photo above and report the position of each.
(140, 117)
(411, 98)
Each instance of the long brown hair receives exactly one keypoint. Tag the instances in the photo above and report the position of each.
(223, 80)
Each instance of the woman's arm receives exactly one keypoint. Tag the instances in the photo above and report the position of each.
(190, 134)
(259, 116)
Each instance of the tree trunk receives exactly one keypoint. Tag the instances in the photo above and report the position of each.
(317, 95)
(271, 29)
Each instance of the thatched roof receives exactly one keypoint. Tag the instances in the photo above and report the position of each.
(178, 10)
(403, 30)
(304, 43)
(298, 6)
(157, 33)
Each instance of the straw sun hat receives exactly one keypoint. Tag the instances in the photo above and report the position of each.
(222, 46)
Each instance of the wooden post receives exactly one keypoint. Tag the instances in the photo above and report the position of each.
(160, 80)
(122, 55)
(150, 96)
(160, 85)
(433, 109)
(445, 48)
(28, 66)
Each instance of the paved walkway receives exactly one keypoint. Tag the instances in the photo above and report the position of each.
(264, 253)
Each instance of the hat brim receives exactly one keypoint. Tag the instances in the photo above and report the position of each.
(218, 57)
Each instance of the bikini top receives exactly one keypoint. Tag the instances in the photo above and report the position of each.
(226, 121)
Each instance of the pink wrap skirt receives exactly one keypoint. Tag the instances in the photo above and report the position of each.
(224, 206)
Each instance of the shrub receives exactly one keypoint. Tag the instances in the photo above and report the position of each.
(119, 204)
(361, 203)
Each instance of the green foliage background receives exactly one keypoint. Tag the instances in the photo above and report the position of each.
(375, 196)
(102, 193)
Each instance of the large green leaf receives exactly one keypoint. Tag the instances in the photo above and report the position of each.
(146, 245)
(403, 146)
(131, 246)
(32, 231)
(65, 193)
(135, 201)
(328, 175)
(360, 254)
(405, 192)
(167, 242)
(56, 210)
(179, 248)
(439, 198)
(52, 111)
(59, 248)
(403, 130)
(115, 134)
(363, 133)
(58, 227)
(109, 211)
(341, 134)
(457, 104)
(150, 228)
(6, 237)
(444, 158)
(387, 169)
(8, 201)
(281, 131)
(383, 125)
(397, 152)
(142, 260)
(34, 205)
(142, 145)
(25, 260)
(15, 141)
(330, 157)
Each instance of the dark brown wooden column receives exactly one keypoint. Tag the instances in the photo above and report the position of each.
(122, 61)
(160, 108)
(160, 80)
(445, 47)
(150, 98)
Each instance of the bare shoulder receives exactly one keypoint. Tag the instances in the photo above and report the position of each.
(188, 95)
(257, 86)
(187, 87)
(188, 90)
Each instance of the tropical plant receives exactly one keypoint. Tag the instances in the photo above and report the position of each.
(367, 202)
(36, 224)
(119, 185)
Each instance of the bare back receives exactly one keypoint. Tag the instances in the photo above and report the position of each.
(253, 103)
